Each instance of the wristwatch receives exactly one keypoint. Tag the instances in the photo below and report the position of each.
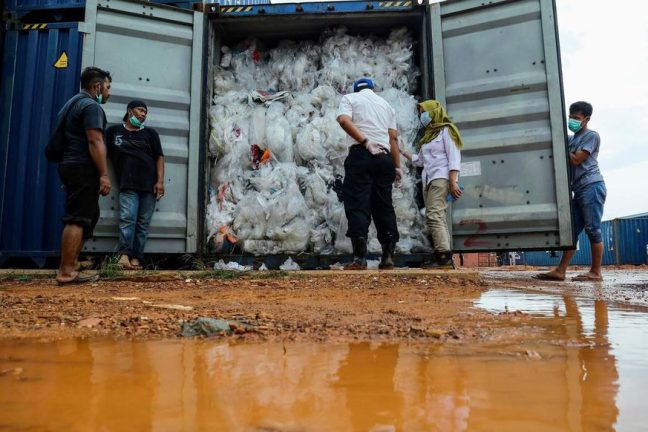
(364, 142)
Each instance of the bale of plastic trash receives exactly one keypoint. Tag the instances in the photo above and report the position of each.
(277, 152)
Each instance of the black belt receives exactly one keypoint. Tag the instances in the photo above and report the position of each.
(363, 147)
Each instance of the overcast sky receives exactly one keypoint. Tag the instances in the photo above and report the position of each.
(604, 50)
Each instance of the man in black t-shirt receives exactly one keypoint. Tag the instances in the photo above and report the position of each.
(139, 162)
(83, 169)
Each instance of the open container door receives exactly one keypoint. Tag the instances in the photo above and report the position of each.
(496, 68)
(154, 53)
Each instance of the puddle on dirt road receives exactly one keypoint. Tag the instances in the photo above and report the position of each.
(618, 285)
(588, 372)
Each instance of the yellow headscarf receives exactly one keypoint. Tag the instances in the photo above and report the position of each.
(440, 120)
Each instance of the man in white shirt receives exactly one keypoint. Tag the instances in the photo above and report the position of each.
(372, 166)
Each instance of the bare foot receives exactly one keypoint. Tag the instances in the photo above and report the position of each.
(553, 275)
(124, 262)
(66, 278)
(589, 276)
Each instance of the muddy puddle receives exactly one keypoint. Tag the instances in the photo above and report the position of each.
(578, 365)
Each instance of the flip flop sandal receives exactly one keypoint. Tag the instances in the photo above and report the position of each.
(84, 265)
(79, 279)
(548, 277)
(587, 278)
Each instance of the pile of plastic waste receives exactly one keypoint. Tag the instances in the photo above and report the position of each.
(278, 152)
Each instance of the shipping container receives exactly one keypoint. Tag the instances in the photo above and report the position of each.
(625, 242)
(494, 65)
(480, 259)
(34, 89)
(630, 240)
(41, 70)
(23, 6)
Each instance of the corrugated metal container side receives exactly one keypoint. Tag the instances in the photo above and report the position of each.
(2, 32)
(499, 78)
(26, 5)
(609, 245)
(582, 257)
(542, 258)
(238, 2)
(624, 243)
(33, 91)
(166, 73)
(632, 240)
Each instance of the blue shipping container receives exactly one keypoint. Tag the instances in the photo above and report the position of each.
(21, 7)
(624, 243)
(29, 5)
(40, 72)
(631, 235)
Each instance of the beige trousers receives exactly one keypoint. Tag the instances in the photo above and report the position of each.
(436, 205)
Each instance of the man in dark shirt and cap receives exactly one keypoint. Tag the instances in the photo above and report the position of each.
(83, 169)
(139, 162)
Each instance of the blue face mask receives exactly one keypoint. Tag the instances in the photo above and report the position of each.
(99, 98)
(425, 118)
(135, 122)
(574, 125)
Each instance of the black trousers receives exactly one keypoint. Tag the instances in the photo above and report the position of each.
(367, 192)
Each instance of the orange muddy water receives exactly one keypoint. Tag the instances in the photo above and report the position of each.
(581, 365)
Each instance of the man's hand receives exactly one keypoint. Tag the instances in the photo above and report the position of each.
(455, 190)
(375, 148)
(158, 190)
(399, 175)
(104, 185)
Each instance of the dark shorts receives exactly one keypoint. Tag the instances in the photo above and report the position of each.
(81, 183)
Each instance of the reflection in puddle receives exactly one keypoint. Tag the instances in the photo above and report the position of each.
(592, 380)
(613, 351)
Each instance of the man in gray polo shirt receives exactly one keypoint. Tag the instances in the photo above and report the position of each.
(588, 190)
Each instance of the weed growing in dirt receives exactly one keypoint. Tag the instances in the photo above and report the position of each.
(194, 263)
(231, 274)
(110, 268)
(215, 274)
(20, 277)
(274, 274)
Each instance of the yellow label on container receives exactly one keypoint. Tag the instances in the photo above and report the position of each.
(62, 62)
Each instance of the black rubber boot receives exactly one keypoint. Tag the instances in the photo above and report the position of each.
(359, 254)
(444, 259)
(440, 260)
(387, 261)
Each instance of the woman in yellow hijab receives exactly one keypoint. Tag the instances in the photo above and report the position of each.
(440, 157)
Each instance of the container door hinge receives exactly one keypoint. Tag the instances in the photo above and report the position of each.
(84, 28)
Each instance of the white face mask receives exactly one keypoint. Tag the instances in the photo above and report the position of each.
(425, 118)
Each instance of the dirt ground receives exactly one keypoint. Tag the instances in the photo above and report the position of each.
(301, 306)
(324, 306)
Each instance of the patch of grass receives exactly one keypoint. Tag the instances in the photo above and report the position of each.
(21, 277)
(213, 274)
(110, 269)
(272, 274)
(194, 263)
(231, 274)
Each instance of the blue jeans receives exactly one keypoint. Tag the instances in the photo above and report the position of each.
(588, 204)
(135, 212)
